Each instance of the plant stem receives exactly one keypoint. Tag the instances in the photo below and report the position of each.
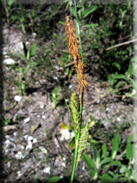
(77, 135)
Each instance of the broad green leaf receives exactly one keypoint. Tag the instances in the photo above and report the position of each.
(130, 69)
(134, 83)
(123, 179)
(106, 160)
(105, 178)
(73, 11)
(88, 11)
(57, 99)
(104, 151)
(93, 174)
(28, 55)
(52, 180)
(96, 156)
(34, 63)
(32, 50)
(94, 141)
(90, 163)
(56, 91)
(91, 25)
(115, 144)
(130, 149)
(115, 163)
(119, 76)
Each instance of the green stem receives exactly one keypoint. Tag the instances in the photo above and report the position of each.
(77, 136)
(75, 157)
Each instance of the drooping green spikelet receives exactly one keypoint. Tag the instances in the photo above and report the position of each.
(82, 141)
(74, 109)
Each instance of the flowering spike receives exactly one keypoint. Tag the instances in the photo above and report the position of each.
(73, 44)
(82, 142)
(74, 109)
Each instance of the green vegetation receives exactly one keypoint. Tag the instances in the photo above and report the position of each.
(105, 36)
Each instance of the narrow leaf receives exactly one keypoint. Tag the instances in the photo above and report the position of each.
(88, 11)
(89, 161)
(33, 49)
(104, 150)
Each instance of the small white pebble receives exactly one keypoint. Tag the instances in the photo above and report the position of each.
(118, 118)
(63, 164)
(29, 146)
(22, 147)
(54, 77)
(66, 100)
(25, 137)
(38, 116)
(27, 42)
(8, 61)
(26, 120)
(34, 34)
(17, 98)
(65, 134)
(83, 168)
(72, 134)
(19, 174)
(19, 155)
(98, 101)
(34, 140)
(64, 159)
(8, 164)
(43, 117)
(46, 170)
(56, 67)
(43, 150)
(7, 142)
(70, 86)
(30, 138)
(15, 133)
(107, 109)
(41, 106)
(20, 45)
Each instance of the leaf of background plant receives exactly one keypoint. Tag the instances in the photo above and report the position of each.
(118, 76)
(105, 178)
(93, 174)
(104, 150)
(56, 91)
(73, 11)
(123, 179)
(94, 141)
(106, 160)
(88, 11)
(72, 143)
(96, 156)
(115, 144)
(68, 127)
(33, 49)
(34, 63)
(134, 83)
(90, 163)
(115, 163)
(91, 25)
(52, 180)
(130, 151)
(130, 69)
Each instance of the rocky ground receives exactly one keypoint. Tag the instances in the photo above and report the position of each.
(34, 145)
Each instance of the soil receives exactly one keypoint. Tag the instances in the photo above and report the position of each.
(34, 145)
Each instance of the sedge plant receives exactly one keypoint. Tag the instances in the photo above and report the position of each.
(79, 142)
